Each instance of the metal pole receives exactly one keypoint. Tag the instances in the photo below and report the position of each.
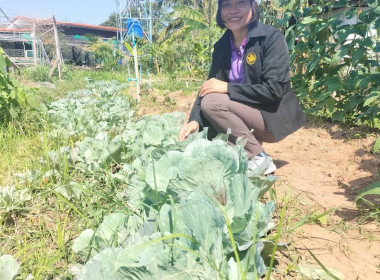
(150, 21)
(34, 44)
(136, 71)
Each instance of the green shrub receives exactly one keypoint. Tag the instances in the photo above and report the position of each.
(38, 73)
(107, 54)
(336, 72)
(12, 96)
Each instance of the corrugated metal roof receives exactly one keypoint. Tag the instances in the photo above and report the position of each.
(21, 23)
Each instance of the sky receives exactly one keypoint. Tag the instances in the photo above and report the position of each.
(79, 11)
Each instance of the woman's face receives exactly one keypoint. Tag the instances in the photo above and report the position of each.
(236, 14)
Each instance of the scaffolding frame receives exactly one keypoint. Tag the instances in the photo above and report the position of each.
(139, 11)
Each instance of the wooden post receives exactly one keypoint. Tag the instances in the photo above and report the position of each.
(155, 61)
(136, 71)
(34, 44)
(55, 64)
(57, 49)
(129, 71)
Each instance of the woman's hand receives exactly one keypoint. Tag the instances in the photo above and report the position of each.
(188, 129)
(213, 86)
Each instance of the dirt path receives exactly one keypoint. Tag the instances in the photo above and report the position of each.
(323, 170)
(320, 168)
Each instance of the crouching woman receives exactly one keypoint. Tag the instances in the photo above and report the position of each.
(248, 88)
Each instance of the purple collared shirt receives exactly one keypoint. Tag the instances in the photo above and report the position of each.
(236, 72)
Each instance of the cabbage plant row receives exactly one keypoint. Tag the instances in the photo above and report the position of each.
(188, 209)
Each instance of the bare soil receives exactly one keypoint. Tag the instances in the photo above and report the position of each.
(323, 169)
(320, 167)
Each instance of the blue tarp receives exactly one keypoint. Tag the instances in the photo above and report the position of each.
(134, 28)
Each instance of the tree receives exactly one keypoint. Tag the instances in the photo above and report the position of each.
(111, 21)
(192, 15)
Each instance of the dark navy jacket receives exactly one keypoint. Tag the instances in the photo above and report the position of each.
(267, 85)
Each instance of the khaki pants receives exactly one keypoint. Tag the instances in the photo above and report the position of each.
(222, 113)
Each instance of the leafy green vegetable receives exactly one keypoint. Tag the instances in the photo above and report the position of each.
(8, 267)
(13, 199)
(193, 194)
(111, 233)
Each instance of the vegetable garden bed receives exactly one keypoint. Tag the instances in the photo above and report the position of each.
(178, 210)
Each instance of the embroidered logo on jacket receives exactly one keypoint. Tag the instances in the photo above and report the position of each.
(251, 58)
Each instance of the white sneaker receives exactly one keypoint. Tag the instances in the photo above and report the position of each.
(261, 164)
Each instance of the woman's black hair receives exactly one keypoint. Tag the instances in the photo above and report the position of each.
(255, 13)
